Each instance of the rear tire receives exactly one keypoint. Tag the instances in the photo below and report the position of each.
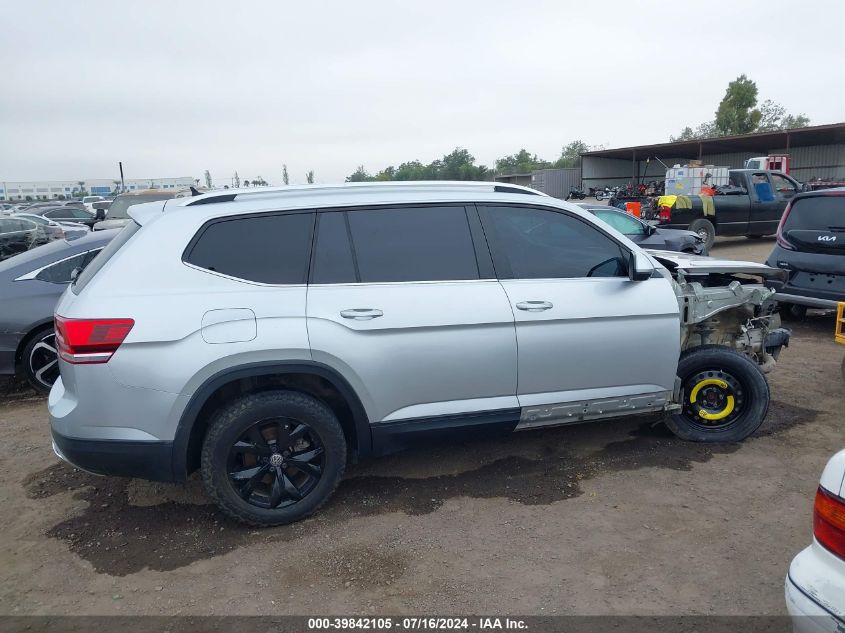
(273, 458)
(705, 230)
(725, 396)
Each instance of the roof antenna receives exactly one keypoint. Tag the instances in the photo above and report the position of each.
(194, 192)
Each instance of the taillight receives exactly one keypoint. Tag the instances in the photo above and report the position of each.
(81, 341)
(829, 521)
(664, 213)
(781, 240)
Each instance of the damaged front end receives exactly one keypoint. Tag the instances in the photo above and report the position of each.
(727, 303)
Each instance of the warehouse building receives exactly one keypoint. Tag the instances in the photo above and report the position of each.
(49, 189)
(816, 153)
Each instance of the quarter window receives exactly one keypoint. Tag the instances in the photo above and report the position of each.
(60, 272)
(272, 249)
(530, 243)
(413, 244)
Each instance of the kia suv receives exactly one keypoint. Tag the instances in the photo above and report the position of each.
(811, 248)
(266, 337)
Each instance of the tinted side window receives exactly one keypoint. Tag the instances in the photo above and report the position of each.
(59, 273)
(271, 249)
(332, 262)
(58, 213)
(413, 244)
(545, 244)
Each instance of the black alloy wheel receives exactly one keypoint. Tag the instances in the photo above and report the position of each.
(41, 361)
(276, 463)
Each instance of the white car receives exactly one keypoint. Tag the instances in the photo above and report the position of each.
(815, 584)
(89, 201)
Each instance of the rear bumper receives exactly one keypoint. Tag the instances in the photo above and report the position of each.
(122, 458)
(815, 589)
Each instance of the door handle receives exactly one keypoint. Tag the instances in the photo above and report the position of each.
(534, 306)
(361, 314)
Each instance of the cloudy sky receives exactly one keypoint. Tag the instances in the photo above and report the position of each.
(174, 88)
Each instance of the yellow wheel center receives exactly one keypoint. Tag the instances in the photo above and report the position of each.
(714, 415)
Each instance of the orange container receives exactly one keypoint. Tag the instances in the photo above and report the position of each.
(633, 208)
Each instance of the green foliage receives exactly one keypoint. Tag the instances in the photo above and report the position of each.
(457, 165)
(738, 114)
(570, 155)
(521, 163)
(309, 177)
(360, 175)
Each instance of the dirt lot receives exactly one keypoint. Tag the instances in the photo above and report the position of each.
(608, 518)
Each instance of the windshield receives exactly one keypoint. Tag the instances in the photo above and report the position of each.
(622, 222)
(816, 213)
(118, 209)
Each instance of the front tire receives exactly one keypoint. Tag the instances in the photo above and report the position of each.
(273, 458)
(724, 395)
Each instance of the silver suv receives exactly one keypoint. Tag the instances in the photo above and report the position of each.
(268, 336)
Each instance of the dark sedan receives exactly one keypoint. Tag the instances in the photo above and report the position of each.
(18, 235)
(66, 213)
(646, 235)
(30, 285)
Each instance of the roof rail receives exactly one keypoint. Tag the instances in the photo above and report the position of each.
(227, 195)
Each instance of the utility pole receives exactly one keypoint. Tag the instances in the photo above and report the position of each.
(122, 186)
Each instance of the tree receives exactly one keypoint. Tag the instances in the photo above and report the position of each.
(704, 130)
(208, 179)
(570, 155)
(285, 178)
(359, 175)
(309, 177)
(736, 113)
(259, 182)
(246, 183)
(236, 181)
(774, 117)
(520, 163)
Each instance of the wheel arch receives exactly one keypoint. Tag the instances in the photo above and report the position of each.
(304, 376)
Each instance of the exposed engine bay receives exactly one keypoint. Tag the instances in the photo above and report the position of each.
(727, 303)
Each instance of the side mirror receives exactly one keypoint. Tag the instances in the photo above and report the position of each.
(806, 187)
(100, 214)
(639, 267)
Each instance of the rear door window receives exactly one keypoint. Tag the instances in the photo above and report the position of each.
(267, 248)
(413, 244)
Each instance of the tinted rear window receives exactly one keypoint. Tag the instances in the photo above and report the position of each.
(105, 255)
(270, 249)
(817, 213)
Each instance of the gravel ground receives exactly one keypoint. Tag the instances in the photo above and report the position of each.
(605, 518)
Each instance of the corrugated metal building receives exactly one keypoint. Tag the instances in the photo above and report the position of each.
(816, 152)
(554, 182)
